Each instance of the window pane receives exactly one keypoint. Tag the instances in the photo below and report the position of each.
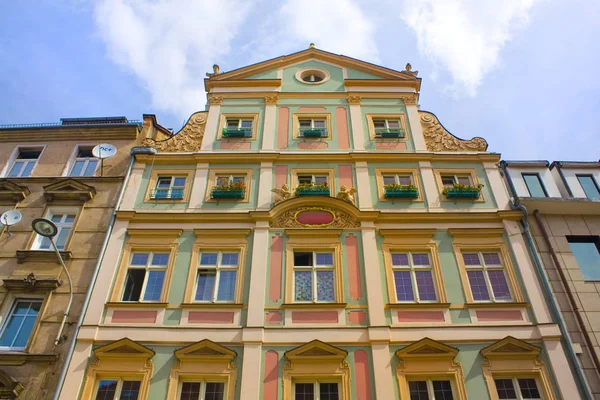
(305, 123)
(529, 389)
(160, 259)
(208, 259)
(425, 285)
(478, 286)
(379, 123)
(139, 259)
(534, 185)
(389, 180)
(229, 259)
(471, 259)
(233, 123)
(319, 123)
(464, 180)
(320, 179)
(77, 168)
(56, 218)
(499, 285)
(16, 169)
(179, 182)
(304, 179)
(589, 186)
(130, 390)
(29, 154)
(61, 239)
(442, 390)
(190, 391)
(20, 324)
(85, 153)
(303, 259)
(27, 169)
(394, 124)
(400, 259)
(404, 290)
(45, 243)
(325, 291)
(587, 255)
(163, 182)
(70, 218)
(418, 390)
(226, 290)
(420, 259)
(305, 391)
(328, 391)
(448, 181)
(106, 390)
(405, 180)
(91, 168)
(491, 259)
(214, 391)
(324, 259)
(206, 284)
(239, 179)
(154, 285)
(133, 284)
(303, 285)
(247, 123)
(505, 389)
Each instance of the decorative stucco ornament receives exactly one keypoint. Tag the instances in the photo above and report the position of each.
(346, 194)
(408, 70)
(437, 138)
(216, 71)
(188, 139)
(339, 219)
(284, 193)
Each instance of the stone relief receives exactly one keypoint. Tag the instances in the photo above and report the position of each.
(437, 138)
(340, 219)
(188, 139)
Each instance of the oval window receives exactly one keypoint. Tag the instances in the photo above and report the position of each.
(312, 76)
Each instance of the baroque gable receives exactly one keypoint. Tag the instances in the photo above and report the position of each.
(316, 350)
(187, 140)
(124, 348)
(437, 138)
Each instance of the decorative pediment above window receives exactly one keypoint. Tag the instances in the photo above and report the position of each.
(69, 190)
(315, 212)
(427, 348)
(31, 284)
(437, 138)
(188, 139)
(9, 387)
(205, 350)
(124, 348)
(10, 191)
(511, 348)
(316, 351)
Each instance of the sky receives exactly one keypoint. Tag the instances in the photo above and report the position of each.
(520, 73)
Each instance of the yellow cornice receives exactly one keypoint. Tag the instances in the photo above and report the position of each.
(408, 233)
(222, 233)
(314, 95)
(310, 233)
(155, 233)
(381, 83)
(243, 83)
(476, 232)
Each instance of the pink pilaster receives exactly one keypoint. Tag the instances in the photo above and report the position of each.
(271, 375)
(283, 127)
(341, 119)
(276, 267)
(353, 268)
(363, 378)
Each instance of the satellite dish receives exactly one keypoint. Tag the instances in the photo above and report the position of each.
(11, 218)
(104, 150)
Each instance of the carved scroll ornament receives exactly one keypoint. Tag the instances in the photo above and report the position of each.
(340, 219)
(437, 138)
(188, 139)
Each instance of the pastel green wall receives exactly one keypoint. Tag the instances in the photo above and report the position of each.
(332, 141)
(356, 74)
(270, 74)
(490, 201)
(229, 108)
(334, 84)
(162, 204)
(397, 203)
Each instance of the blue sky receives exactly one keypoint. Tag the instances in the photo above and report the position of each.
(520, 73)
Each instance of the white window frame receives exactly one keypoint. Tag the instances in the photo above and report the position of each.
(515, 381)
(120, 382)
(148, 267)
(455, 178)
(430, 391)
(50, 213)
(317, 388)
(387, 125)
(218, 267)
(397, 178)
(74, 157)
(7, 312)
(314, 269)
(15, 154)
(413, 278)
(483, 267)
(313, 177)
(241, 120)
(203, 383)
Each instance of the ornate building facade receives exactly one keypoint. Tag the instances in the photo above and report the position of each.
(314, 235)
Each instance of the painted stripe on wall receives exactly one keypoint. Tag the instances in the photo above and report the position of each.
(276, 267)
(357, 317)
(353, 269)
(270, 386)
(281, 177)
(235, 146)
(316, 317)
(499, 315)
(274, 318)
(421, 316)
(311, 109)
(134, 316)
(282, 128)
(341, 118)
(363, 378)
(209, 317)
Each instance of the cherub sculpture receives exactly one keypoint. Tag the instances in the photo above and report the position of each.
(216, 71)
(408, 70)
(284, 193)
(346, 194)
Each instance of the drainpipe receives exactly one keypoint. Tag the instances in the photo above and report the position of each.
(571, 355)
(67, 361)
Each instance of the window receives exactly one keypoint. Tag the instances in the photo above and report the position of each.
(85, 163)
(316, 391)
(430, 390)
(486, 276)
(221, 180)
(397, 179)
(64, 221)
(19, 324)
(413, 277)
(589, 186)
(202, 390)
(586, 250)
(383, 126)
(238, 127)
(145, 276)
(517, 389)
(217, 277)
(387, 126)
(118, 389)
(308, 179)
(534, 185)
(24, 162)
(449, 181)
(169, 187)
(229, 184)
(313, 277)
(312, 76)
(312, 127)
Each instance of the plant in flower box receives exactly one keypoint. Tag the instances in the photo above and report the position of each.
(394, 190)
(459, 191)
(312, 189)
(228, 190)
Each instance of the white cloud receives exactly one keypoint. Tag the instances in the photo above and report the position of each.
(465, 36)
(170, 44)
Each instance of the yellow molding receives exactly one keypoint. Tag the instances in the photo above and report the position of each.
(154, 233)
(407, 233)
(419, 306)
(476, 232)
(136, 304)
(317, 306)
(497, 305)
(221, 233)
(210, 83)
(329, 234)
(306, 352)
(213, 305)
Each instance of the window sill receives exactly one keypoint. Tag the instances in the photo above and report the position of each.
(212, 305)
(31, 284)
(497, 305)
(314, 305)
(417, 305)
(135, 304)
(20, 358)
(41, 255)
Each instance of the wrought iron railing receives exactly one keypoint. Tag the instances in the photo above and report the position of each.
(313, 132)
(167, 194)
(60, 124)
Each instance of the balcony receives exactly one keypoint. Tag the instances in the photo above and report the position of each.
(401, 192)
(167, 194)
(313, 133)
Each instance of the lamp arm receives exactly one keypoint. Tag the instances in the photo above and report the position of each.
(66, 315)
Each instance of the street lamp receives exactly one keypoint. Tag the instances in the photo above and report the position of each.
(46, 228)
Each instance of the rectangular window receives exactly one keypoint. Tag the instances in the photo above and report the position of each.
(169, 187)
(396, 179)
(223, 180)
(202, 390)
(217, 277)
(64, 222)
(430, 390)
(534, 185)
(19, 324)
(145, 276)
(240, 126)
(24, 163)
(586, 250)
(517, 389)
(85, 163)
(118, 389)
(308, 179)
(316, 391)
(486, 275)
(314, 280)
(387, 126)
(450, 180)
(413, 277)
(589, 186)
(312, 127)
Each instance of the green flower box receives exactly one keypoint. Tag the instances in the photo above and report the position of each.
(235, 133)
(313, 133)
(392, 133)
(227, 194)
(462, 194)
(312, 192)
(401, 193)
